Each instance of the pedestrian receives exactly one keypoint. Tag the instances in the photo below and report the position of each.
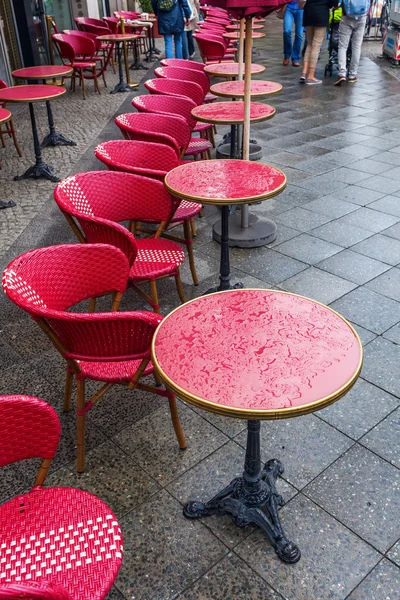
(352, 26)
(291, 51)
(315, 20)
(172, 15)
(194, 19)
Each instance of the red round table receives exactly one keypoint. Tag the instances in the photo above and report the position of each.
(42, 73)
(118, 38)
(236, 27)
(235, 35)
(256, 355)
(30, 94)
(235, 89)
(221, 183)
(231, 69)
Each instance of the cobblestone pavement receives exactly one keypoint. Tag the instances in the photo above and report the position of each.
(339, 242)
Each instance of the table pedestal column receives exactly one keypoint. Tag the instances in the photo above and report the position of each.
(54, 138)
(252, 498)
(224, 267)
(121, 85)
(40, 168)
(136, 65)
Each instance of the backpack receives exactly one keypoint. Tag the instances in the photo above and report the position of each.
(166, 5)
(356, 8)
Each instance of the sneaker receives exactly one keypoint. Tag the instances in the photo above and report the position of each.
(303, 78)
(296, 63)
(313, 81)
(341, 79)
(191, 56)
(352, 79)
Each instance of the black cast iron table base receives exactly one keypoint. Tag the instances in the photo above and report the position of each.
(121, 87)
(252, 498)
(53, 138)
(224, 268)
(137, 65)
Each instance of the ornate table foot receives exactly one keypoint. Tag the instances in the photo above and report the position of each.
(252, 498)
(138, 65)
(121, 87)
(8, 204)
(56, 139)
(36, 171)
(220, 288)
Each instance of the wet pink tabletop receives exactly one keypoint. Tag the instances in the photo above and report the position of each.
(42, 72)
(257, 353)
(235, 35)
(232, 112)
(31, 93)
(237, 27)
(231, 69)
(235, 89)
(225, 181)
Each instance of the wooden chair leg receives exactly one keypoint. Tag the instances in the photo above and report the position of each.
(104, 79)
(211, 136)
(80, 426)
(188, 237)
(42, 472)
(68, 390)
(179, 287)
(154, 296)
(96, 81)
(82, 81)
(2, 137)
(176, 422)
(193, 227)
(14, 137)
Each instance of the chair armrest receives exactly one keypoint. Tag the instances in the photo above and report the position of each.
(32, 590)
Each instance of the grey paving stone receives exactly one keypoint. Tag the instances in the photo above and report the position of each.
(231, 578)
(283, 234)
(301, 219)
(394, 553)
(380, 183)
(333, 562)
(209, 477)
(110, 474)
(13, 482)
(369, 219)
(349, 175)
(387, 284)
(388, 204)
(381, 143)
(318, 285)
(342, 234)
(358, 195)
(380, 247)
(383, 583)
(297, 196)
(269, 265)
(308, 248)
(153, 445)
(365, 335)
(381, 361)
(306, 445)
(331, 206)
(326, 184)
(370, 166)
(393, 231)
(369, 309)
(389, 158)
(164, 552)
(393, 334)
(393, 173)
(359, 150)
(317, 166)
(353, 267)
(362, 491)
(384, 439)
(360, 409)
(115, 594)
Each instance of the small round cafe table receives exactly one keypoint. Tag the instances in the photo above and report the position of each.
(42, 73)
(256, 355)
(235, 35)
(236, 27)
(30, 94)
(119, 38)
(221, 183)
(230, 70)
(235, 89)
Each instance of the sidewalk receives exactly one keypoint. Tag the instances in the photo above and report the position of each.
(338, 242)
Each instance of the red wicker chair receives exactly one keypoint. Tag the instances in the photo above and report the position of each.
(110, 347)
(81, 22)
(39, 529)
(181, 107)
(183, 74)
(180, 62)
(152, 160)
(78, 53)
(10, 129)
(212, 50)
(101, 48)
(100, 200)
(159, 129)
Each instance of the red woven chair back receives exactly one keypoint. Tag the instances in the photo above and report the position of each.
(81, 21)
(29, 428)
(170, 105)
(141, 158)
(112, 23)
(211, 27)
(169, 130)
(219, 20)
(32, 590)
(180, 62)
(3, 84)
(129, 15)
(185, 74)
(72, 45)
(86, 35)
(96, 29)
(210, 49)
(176, 87)
(58, 277)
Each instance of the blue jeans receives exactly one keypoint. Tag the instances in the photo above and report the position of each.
(177, 42)
(296, 15)
(185, 50)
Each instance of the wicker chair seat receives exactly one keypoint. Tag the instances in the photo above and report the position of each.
(155, 258)
(112, 372)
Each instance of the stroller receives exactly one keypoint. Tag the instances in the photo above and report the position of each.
(333, 42)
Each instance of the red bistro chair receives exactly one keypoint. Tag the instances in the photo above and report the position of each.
(152, 160)
(100, 200)
(55, 543)
(212, 50)
(101, 48)
(78, 53)
(10, 129)
(160, 129)
(187, 74)
(110, 347)
(180, 62)
(82, 21)
(181, 107)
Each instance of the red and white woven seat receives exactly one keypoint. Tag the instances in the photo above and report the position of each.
(155, 258)
(55, 543)
(112, 372)
(197, 146)
(209, 97)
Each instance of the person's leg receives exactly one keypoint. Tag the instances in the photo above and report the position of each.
(314, 53)
(310, 36)
(287, 34)
(298, 35)
(345, 31)
(190, 42)
(178, 45)
(185, 51)
(168, 46)
(356, 41)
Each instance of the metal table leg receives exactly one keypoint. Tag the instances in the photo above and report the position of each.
(252, 498)
(53, 138)
(40, 168)
(121, 85)
(136, 65)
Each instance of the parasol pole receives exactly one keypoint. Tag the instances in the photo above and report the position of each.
(241, 48)
(247, 103)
